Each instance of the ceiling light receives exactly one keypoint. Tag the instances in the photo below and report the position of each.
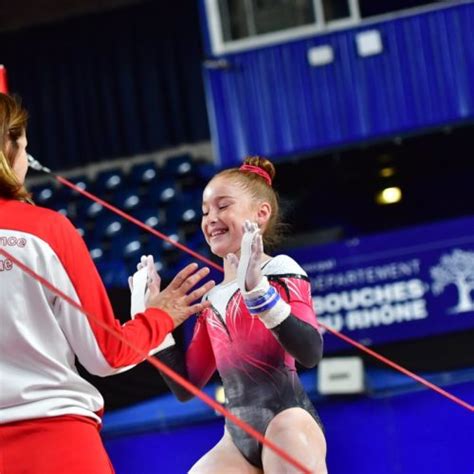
(390, 195)
(387, 172)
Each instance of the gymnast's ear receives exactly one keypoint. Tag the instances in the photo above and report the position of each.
(264, 212)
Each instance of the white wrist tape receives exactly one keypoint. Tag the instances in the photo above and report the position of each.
(276, 315)
(257, 292)
(262, 296)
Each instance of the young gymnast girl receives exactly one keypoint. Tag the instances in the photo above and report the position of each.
(260, 321)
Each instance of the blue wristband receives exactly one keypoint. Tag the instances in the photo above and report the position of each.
(267, 296)
(265, 307)
(263, 303)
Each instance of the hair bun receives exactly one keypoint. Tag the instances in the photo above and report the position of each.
(263, 163)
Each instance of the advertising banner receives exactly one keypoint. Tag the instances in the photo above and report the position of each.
(389, 287)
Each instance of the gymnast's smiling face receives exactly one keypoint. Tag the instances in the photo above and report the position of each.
(226, 206)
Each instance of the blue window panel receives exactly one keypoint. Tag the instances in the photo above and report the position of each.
(271, 101)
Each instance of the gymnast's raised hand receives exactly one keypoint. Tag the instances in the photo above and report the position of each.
(248, 266)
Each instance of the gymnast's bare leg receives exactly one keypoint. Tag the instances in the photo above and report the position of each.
(224, 457)
(295, 431)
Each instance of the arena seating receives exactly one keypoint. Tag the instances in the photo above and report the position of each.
(166, 198)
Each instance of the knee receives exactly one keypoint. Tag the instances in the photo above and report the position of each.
(289, 422)
(299, 433)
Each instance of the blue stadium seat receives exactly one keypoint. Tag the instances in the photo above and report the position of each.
(98, 252)
(53, 198)
(183, 169)
(157, 246)
(128, 199)
(109, 181)
(127, 246)
(81, 181)
(186, 207)
(179, 165)
(173, 235)
(109, 227)
(61, 199)
(185, 213)
(150, 216)
(143, 173)
(164, 192)
(67, 194)
(87, 209)
(44, 195)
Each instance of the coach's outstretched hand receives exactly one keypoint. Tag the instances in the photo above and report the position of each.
(177, 298)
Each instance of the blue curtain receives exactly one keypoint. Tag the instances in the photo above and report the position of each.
(112, 84)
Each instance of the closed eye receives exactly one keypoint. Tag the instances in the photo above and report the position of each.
(220, 207)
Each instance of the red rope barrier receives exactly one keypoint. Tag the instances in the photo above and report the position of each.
(159, 365)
